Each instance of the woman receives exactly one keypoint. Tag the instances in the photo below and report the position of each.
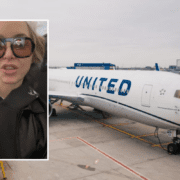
(23, 115)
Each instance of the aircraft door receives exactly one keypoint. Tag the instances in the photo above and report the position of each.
(146, 95)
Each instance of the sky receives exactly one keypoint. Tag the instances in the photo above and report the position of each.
(127, 33)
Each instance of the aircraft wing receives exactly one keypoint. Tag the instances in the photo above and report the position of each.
(74, 98)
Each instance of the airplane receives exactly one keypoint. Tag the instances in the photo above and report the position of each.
(147, 97)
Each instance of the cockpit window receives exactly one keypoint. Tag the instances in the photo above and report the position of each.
(177, 94)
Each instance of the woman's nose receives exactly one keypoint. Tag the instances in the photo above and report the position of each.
(9, 54)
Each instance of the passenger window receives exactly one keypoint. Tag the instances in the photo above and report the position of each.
(177, 94)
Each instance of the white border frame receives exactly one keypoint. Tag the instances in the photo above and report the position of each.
(47, 89)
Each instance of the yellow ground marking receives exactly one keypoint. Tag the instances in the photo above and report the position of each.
(111, 126)
(121, 124)
(145, 135)
(161, 144)
(3, 172)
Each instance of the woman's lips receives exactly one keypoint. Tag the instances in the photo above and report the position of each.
(9, 71)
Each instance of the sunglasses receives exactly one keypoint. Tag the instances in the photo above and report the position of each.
(21, 47)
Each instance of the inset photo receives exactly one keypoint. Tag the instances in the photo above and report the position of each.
(23, 90)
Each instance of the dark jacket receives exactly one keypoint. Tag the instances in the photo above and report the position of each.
(23, 125)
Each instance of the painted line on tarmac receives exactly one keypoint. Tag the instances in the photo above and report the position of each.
(111, 126)
(145, 135)
(103, 153)
(114, 125)
(129, 134)
(161, 144)
(113, 159)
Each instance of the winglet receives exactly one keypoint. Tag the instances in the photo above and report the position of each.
(157, 67)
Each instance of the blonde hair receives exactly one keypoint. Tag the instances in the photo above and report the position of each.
(38, 40)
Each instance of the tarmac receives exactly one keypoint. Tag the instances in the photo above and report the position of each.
(85, 145)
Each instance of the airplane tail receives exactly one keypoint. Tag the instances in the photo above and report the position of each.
(157, 67)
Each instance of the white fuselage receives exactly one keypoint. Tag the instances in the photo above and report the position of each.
(143, 96)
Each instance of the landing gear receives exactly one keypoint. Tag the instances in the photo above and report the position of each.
(54, 112)
(105, 115)
(75, 107)
(174, 148)
(61, 102)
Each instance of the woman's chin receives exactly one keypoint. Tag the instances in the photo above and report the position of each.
(11, 80)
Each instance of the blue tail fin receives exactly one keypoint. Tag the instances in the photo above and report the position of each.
(157, 67)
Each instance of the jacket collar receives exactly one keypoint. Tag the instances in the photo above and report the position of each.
(23, 97)
(35, 107)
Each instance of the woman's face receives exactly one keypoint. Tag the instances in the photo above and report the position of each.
(8, 62)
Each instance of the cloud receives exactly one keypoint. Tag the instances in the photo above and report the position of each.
(124, 32)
